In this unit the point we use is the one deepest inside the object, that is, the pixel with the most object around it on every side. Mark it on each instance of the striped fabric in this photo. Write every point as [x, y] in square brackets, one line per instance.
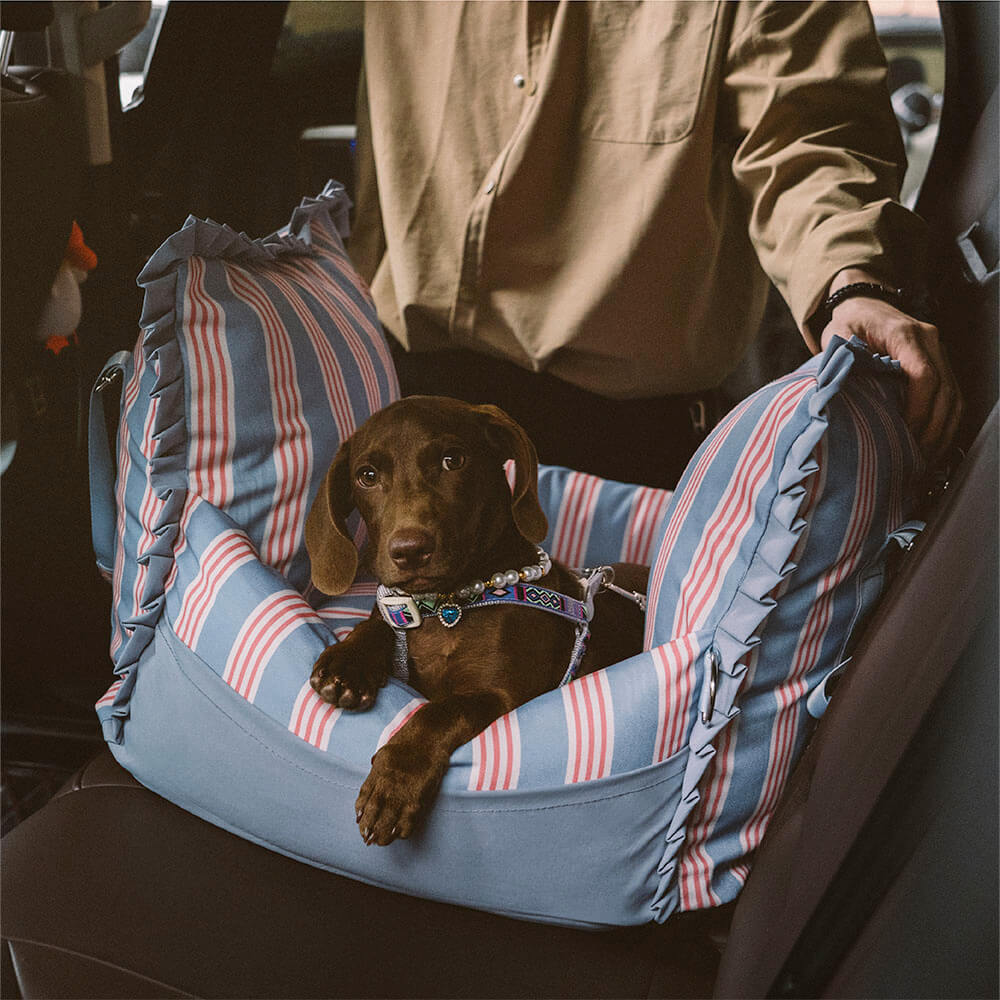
[771, 554]
[256, 359]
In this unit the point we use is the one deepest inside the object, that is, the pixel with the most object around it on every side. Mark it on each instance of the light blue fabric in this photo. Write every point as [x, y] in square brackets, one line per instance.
[618, 799]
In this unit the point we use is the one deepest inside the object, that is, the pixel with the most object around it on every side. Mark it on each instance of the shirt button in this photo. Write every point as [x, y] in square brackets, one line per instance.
[490, 187]
[519, 81]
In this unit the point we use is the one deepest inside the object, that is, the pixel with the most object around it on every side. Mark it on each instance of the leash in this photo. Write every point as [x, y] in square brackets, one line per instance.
[403, 611]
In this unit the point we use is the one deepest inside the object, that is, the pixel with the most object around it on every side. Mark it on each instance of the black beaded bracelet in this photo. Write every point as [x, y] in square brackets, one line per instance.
[857, 289]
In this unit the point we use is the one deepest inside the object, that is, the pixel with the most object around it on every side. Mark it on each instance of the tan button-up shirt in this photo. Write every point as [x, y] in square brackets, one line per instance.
[603, 189]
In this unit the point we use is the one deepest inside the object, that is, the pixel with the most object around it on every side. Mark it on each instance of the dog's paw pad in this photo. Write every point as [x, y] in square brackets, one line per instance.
[346, 693]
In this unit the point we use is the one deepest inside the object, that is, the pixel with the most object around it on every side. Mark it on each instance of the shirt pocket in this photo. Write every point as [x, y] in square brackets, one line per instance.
[645, 70]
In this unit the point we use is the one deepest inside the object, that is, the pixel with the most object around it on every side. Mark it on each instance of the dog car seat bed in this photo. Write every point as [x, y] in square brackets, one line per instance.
[618, 799]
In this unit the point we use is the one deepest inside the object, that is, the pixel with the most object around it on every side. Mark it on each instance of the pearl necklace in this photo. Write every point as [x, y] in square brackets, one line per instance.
[402, 610]
[526, 574]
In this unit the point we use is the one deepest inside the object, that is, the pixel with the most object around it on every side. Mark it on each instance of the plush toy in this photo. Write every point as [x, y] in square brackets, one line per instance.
[57, 327]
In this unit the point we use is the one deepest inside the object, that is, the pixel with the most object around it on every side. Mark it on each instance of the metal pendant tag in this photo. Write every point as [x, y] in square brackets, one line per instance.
[400, 610]
[449, 614]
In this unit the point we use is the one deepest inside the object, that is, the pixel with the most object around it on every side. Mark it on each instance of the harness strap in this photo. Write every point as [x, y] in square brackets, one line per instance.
[403, 612]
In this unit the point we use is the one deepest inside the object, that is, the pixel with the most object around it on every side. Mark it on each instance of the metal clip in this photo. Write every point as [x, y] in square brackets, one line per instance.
[712, 663]
[107, 378]
[607, 583]
[699, 418]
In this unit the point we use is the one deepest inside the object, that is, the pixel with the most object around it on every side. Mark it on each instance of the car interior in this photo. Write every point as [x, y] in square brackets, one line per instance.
[878, 874]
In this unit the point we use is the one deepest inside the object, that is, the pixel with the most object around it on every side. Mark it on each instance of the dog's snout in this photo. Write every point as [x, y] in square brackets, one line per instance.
[411, 548]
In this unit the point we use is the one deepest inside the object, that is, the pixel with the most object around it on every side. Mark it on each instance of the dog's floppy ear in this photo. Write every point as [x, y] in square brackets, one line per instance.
[331, 549]
[511, 439]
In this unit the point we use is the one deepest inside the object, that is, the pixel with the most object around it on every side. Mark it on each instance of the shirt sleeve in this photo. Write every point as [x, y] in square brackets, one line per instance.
[819, 158]
[366, 245]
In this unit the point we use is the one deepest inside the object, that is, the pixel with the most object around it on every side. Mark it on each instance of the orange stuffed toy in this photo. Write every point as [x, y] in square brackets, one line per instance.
[61, 314]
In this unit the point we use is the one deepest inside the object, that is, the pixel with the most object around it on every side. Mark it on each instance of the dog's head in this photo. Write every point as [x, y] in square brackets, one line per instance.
[427, 475]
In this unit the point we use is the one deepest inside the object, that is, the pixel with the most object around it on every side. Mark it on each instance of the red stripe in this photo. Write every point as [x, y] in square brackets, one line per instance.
[494, 732]
[257, 639]
[724, 532]
[333, 380]
[662, 656]
[220, 566]
[236, 669]
[334, 252]
[591, 487]
[777, 753]
[221, 558]
[592, 736]
[292, 435]
[272, 635]
[306, 717]
[343, 611]
[214, 439]
[314, 718]
[340, 305]
[509, 733]
[109, 696]
[696, 865]
[395, 726]
[476, 774]
[673, 663]
[578, 732]
[198, 416]
[644, 518]
[566, 518]
[807, 655]
[604, 763]
[682, 509]
[287, 434]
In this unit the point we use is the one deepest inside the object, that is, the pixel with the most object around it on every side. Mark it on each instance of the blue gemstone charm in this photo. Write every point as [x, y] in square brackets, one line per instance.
[449, 614]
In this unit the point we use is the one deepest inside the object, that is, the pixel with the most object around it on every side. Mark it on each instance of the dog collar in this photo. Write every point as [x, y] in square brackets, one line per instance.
[404, 611]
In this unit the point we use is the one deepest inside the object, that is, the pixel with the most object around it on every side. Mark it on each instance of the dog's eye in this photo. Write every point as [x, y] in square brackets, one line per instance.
[367, 476]
[452, 461]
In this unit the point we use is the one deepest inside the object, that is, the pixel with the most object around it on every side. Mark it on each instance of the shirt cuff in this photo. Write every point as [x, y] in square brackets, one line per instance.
[883, 238]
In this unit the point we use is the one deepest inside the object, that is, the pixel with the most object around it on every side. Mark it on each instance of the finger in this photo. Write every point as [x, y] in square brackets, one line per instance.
[933, 404]
[944, 406]
[923, 382]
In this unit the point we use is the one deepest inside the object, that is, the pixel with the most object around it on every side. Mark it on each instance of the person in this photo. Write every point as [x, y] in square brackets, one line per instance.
[575, 210]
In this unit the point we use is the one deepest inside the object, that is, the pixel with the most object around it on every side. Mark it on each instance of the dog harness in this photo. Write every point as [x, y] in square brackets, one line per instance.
[404, 611]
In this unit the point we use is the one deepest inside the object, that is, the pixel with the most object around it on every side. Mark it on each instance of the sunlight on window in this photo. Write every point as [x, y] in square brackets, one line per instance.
[910, 32]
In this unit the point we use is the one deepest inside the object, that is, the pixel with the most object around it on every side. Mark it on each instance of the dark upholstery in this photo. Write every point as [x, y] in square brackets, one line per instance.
[112, 891]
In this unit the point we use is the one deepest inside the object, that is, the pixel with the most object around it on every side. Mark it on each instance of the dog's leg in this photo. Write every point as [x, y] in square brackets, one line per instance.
[349, 674]
[407, 771]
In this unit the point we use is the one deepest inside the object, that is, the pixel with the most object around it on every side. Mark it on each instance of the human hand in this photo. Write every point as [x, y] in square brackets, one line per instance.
[933, 401]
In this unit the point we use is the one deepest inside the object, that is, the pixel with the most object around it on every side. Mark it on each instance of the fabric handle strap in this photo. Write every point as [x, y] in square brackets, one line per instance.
[102, 472]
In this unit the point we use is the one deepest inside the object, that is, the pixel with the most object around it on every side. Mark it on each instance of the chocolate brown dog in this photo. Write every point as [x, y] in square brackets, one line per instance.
[427, 475]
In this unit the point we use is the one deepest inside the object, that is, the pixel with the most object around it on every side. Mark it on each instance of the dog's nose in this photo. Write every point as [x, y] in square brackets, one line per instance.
[411, 548]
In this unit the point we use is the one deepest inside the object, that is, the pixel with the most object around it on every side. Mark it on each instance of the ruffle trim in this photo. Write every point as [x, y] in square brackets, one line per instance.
[168, 474]
[738, 630]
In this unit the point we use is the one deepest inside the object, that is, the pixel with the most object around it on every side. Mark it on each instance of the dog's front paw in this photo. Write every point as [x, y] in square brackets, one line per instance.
[397, 794]
[339, 678]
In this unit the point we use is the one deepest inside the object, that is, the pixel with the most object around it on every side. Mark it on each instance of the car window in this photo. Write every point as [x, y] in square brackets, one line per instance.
[910, 33]
[315, 73]
[133, 59]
